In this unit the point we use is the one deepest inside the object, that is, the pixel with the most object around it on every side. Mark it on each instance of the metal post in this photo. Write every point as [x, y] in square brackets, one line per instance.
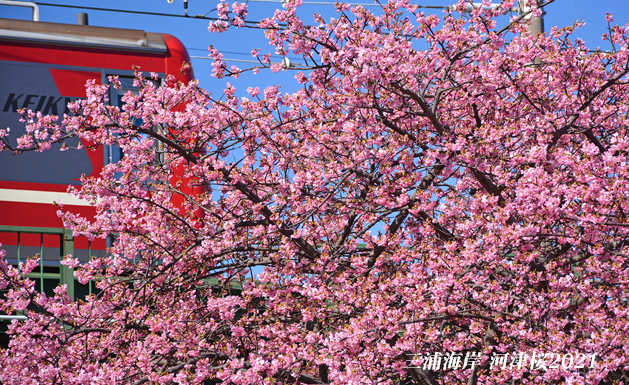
[67, 273]
[537, 23]
[12, 317]
[81, 18]
[19, 245]
[41, 262]
[89, 258]
[23, 4]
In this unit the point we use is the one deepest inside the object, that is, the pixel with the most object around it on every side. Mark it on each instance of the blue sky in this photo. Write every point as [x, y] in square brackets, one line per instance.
[237, 44]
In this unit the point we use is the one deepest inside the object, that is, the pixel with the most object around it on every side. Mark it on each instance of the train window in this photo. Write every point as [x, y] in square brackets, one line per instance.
[126, 84]
[113, 154]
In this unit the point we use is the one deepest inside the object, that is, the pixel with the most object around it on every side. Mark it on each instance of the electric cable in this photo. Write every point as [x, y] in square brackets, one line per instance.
[226, 59]
[199, 17]
[233, 53]
[205, 17]
[333, 3]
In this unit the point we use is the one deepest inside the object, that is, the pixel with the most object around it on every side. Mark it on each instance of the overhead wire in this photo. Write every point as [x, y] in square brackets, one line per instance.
[205, 17]
[199, 17]
[235, 53]
[312, 2]
[334, 3]
[228, 60]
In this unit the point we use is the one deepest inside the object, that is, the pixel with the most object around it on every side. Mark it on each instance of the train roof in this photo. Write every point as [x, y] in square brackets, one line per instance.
[81, 35]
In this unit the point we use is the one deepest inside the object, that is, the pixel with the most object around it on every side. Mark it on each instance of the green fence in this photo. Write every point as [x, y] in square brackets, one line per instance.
[49, 246]
[49, 274]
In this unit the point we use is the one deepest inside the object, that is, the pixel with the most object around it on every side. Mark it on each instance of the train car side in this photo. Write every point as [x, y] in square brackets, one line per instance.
[43, 66]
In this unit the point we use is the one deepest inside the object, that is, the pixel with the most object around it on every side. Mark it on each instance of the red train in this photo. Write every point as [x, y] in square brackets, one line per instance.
[43, 66]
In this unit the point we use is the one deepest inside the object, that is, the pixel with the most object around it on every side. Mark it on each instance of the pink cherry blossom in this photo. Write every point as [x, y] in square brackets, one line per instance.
[437, 187]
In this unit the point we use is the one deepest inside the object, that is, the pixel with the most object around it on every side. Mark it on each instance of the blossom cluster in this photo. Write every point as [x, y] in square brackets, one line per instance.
[438, 184]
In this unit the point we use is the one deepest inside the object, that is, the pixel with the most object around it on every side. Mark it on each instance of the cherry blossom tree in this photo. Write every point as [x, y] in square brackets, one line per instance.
[443, 202]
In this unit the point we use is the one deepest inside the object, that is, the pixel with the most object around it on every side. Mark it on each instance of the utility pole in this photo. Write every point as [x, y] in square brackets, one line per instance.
[537, 24]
